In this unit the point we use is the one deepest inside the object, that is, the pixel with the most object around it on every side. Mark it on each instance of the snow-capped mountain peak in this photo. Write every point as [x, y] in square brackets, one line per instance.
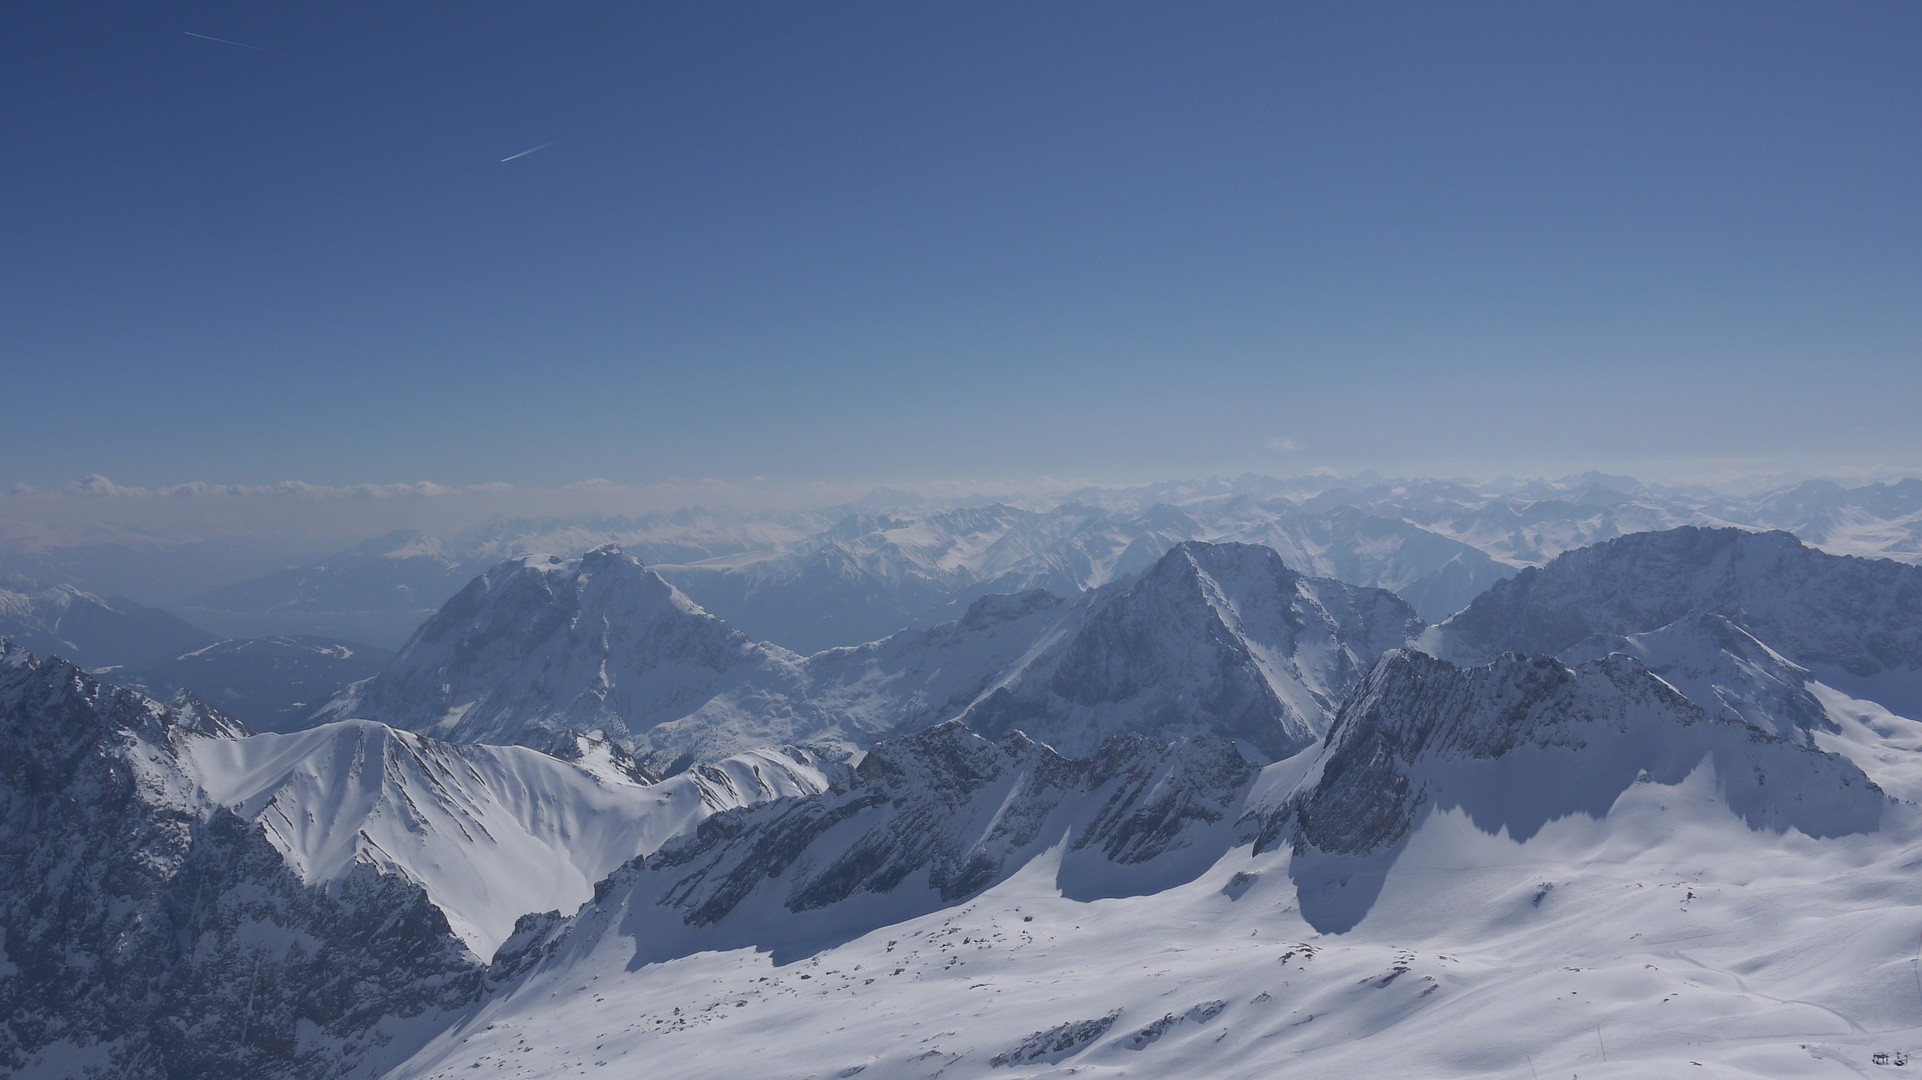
[539, 645]
[1216, 638]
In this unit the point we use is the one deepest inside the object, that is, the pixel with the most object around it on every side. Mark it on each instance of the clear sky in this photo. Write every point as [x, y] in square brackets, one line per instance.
[907, 242]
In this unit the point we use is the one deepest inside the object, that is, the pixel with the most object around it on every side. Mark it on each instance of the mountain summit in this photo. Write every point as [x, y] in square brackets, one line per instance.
[1220, 639]
[540, 645]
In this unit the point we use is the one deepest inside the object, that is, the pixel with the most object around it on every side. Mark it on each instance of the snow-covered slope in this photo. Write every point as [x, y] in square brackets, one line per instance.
[335, 876]
[1881, 520]
[1724, 669]
[489, 832]
[1555, 852]
[539, 646]
[928, 819]
[93, 631]
[1855, 623]
[850, 697]
[1221, 639]
[150, 932]
[1521, 742]
[1215, 638]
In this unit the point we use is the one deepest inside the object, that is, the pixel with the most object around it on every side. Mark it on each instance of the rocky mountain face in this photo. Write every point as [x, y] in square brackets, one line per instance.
[1520, 742]
[183, 897]
[851, 697]
[1575, 739]
[1156, 795]
[1724, 669]
[487, 832]
[1855, 623]
[540, 646]
[1221, 639]
[928, 819]
[93, 631]
[152, 933]
[946, 849]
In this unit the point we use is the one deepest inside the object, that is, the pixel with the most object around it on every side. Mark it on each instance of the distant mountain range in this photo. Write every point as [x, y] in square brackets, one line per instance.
[1223, 639]
[271, 684]
[1855, 623]
[818, 580]
[94, 631]
[1208, 817]
[377, 591]
[1210, 638]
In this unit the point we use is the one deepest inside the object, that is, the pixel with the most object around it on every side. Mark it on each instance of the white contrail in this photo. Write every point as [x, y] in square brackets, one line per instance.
[531, 149]
[224, 41]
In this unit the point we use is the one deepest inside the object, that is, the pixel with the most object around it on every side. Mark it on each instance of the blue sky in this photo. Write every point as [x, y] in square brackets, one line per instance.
[900, 243]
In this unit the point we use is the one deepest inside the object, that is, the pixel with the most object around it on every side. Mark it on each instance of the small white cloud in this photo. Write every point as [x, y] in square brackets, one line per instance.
[1282, 444]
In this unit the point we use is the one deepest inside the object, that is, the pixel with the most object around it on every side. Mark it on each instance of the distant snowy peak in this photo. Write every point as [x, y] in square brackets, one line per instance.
[539, 646]
[1210, 639]
[1220, 639]
[1855, 623]
[1883, 519]
[409, 544]
[871, 574]
[852, 696]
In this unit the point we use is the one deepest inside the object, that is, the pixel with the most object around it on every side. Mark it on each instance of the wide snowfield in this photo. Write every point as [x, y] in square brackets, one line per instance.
[1667, 939]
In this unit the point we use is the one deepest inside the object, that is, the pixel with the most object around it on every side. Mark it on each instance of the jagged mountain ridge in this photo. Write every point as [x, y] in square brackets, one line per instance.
[1724, 669]
[954, 869]
[139, 915]
[488, 832]
[1221, 639]
[185, 897]
[928, 819]
[1216, 638]
[1855, 623]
